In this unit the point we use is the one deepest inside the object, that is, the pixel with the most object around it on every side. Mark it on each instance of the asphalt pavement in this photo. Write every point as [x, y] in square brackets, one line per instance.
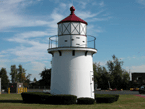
[127, 92]
[124, 92]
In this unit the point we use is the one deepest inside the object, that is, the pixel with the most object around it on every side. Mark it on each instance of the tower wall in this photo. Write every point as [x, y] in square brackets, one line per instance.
[72, 74]
[72, 40]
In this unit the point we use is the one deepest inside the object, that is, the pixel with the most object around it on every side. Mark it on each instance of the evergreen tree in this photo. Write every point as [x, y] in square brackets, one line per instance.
[21, 74]
[35, 79]
[14, 74]
[46, 77]
[116, 73]
[101, 76]
[4, 78]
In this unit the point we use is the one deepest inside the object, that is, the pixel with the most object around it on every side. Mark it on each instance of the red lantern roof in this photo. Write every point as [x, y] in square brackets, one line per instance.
[72, 17]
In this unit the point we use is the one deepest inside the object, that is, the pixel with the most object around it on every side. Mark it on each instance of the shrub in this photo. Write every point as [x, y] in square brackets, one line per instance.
[38, 97]
[104, 98]
[32, 97]
[63, 99]
[85, 100]
[116, 96]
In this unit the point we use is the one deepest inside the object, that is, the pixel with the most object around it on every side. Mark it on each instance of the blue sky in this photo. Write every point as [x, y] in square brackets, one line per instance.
[26, 25]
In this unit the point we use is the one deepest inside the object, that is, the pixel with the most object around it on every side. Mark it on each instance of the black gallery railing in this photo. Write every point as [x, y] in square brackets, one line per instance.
[53, 42]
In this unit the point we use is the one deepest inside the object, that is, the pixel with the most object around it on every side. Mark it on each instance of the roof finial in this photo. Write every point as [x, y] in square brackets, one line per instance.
[72, 9]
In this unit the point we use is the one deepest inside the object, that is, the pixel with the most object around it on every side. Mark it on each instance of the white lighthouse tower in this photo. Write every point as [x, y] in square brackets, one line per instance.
[72, 60]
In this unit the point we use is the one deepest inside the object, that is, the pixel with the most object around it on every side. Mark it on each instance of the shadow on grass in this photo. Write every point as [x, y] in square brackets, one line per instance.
[11, 101]
[21, 101]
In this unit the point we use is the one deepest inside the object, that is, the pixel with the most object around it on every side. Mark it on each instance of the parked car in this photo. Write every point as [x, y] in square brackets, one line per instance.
[142, 89]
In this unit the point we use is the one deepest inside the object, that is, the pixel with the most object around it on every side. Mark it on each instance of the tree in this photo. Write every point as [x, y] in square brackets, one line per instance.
[4, 78]
[27, 81]
[35, 79]
[116, 72]
[21, 74]
[97, 73]
[105, 77]
[46, 77]
[14, 76]
[101, 76]
[126, 79]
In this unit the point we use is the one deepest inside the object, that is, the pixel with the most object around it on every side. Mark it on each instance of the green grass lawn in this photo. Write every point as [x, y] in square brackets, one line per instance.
[14, 101]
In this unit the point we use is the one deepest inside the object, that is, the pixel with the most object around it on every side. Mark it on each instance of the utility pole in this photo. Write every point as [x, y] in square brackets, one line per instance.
[109, 84]
[130, 75]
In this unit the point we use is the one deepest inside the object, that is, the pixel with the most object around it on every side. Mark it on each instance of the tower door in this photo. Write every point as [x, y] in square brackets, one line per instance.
[92, 83]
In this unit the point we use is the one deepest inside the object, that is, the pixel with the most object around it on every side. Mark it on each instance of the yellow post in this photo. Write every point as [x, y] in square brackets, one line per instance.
[9, 90]
[18, 90]
[137, 88]
[26, 89]
[21, 90]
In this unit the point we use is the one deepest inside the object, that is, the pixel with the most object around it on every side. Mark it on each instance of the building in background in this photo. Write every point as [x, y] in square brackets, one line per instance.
[138, 78]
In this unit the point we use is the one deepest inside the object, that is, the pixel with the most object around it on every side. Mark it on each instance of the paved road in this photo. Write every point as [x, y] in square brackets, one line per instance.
[127, 92]
[98, 92]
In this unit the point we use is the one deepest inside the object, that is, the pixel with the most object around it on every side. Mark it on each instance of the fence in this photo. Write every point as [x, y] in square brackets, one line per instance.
[38, 87]
[20, 90]
[53, 42]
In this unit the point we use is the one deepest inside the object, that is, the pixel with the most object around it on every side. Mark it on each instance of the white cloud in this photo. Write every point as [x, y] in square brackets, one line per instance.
[140, 68]
[142, 2]
[35, 51]
[16, 18]
[37, 66]
[82, 4]
[103, 63]
[63, 5]
[96, 29]
[10, 14]
[87, 14]
[33, 34]
[101, 3]
[3, 62]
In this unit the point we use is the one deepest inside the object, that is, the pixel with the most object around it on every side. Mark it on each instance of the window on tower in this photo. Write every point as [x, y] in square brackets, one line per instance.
[77, 44]
[78, 37]
[83, 41]
[65, 40]
[72, 39]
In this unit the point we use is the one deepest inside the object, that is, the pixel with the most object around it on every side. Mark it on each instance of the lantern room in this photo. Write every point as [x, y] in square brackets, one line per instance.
[72, 31]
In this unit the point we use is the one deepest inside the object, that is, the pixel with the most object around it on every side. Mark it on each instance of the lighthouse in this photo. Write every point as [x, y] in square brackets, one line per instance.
[72, 60]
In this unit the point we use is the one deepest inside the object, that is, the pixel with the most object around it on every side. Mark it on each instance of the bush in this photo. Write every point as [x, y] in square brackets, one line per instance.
[38, 97]
[85, 100]
[116, 97]
[63, 99]
[105, 98]
[33, 97]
